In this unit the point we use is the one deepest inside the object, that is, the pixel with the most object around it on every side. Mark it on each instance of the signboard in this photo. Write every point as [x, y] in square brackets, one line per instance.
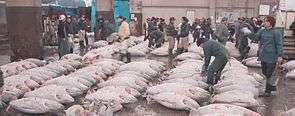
[290, 5]
[264, 9]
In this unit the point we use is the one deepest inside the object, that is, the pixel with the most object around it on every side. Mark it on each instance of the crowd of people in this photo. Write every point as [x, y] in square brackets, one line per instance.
[63, 29]
[213, 42]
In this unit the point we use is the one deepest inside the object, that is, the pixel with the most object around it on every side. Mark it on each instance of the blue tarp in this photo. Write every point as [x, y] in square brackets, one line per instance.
[121, 7]
[93, 15]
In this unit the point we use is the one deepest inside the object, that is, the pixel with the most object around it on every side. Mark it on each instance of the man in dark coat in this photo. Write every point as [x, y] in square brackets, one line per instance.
[243, 40]
[162, 24]
[70, 27]
[171, 33]
[196, 29]
[156, 37]
[63, 43]
[222, 31]
[152, 26]
[183, 42]
[213, 48]
[270, 52]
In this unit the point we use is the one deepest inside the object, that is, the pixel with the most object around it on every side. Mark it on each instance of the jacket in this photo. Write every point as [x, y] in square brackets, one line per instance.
[157, 35]
[124, 30]
[213, 48]
[70, 27]
[184, 29]
[170, 30]
[271, 44]
[61, 31]
[161, 26]
[222, 32]
[152, 26]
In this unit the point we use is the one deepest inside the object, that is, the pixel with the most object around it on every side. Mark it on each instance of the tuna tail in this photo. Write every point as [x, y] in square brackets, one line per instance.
[8, 109]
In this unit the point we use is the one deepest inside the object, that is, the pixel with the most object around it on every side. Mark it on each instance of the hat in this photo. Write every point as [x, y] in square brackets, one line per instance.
[62, 17]
[121, 17]
[172, 18]
[185, 19]
[254, 19]
[201, 40]
[224, 19]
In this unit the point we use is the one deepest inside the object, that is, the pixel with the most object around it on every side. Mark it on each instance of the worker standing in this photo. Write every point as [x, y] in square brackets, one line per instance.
[245, 29]
[183, 42]
[157, 37]
[152, 26]
[196, 29]
[171, 35]
[222, 31]
[217, 50]
[270, 52]
[124, 33]
[63, 43]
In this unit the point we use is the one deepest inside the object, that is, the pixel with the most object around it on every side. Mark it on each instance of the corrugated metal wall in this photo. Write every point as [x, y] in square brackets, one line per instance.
[3, 21]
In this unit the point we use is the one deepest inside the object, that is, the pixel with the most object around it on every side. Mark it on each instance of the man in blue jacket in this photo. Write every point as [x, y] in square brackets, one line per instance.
[222, 31]
[270, 52]
[213, 48]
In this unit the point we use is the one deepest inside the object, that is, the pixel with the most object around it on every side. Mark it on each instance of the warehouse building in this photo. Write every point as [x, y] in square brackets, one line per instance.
[214, 9]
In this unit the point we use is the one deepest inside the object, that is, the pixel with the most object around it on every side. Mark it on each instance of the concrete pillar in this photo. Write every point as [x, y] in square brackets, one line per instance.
[212, 12]
[104, 8]
[24, 28]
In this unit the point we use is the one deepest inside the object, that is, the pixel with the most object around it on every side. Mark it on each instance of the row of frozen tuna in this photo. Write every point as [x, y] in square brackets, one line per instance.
[163, 51]
[129, 82]
[55, 93]
[237, 86]
[183, 88]
[20, 66]
[15, 86]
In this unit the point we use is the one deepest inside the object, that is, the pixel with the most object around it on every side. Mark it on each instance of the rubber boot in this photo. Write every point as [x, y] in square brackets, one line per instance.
[128, 57]
[267, 92]
[273, 88]
[122, 57]
[178, 51]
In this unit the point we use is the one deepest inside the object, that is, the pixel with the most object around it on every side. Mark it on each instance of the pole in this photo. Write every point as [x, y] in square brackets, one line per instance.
[93, 15]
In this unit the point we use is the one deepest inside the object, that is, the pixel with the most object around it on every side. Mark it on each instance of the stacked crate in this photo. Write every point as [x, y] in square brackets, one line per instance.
[289, 47]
